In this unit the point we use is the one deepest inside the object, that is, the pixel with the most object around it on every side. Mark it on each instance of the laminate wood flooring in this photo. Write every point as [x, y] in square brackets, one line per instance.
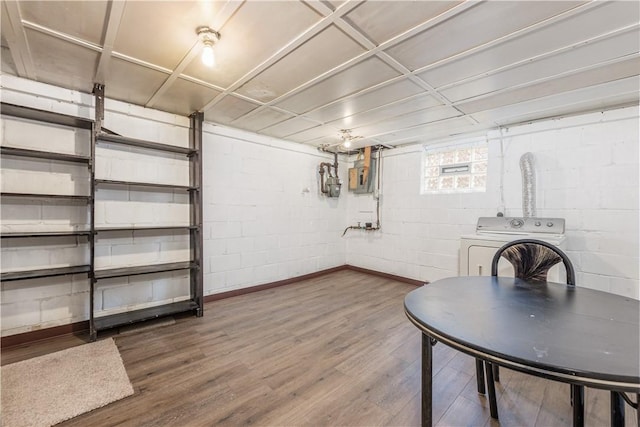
[336, 350]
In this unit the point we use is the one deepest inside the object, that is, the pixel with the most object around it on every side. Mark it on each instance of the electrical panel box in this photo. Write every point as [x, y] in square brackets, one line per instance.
[360, 180]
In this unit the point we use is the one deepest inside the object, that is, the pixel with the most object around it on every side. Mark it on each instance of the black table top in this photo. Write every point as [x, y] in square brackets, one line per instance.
[551, 329]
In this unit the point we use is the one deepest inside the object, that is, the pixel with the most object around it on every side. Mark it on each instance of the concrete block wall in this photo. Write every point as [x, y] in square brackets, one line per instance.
[118, 206]
[45, 302]
[587, 172]
[265, 218]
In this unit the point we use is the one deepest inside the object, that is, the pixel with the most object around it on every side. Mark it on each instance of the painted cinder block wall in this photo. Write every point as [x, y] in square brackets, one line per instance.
[587, 172]
[264, 218]
[262, 225]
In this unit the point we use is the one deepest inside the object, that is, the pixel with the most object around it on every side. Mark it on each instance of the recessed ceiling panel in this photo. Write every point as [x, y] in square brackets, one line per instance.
[331, 135]
[619, 92]
[407, 121]
[394, 110]
[261, 119]
[184, 97]
[369, 72]
[477, 25]
[288, 127]
[328, 49]
[419, 134]
[254, 33]
[383, 95]
[596, 21]
[132, 83]
[61, 63]
[229, 109]
[162, 32]
[582, 56]
[382, 20]
[569, 56]
[567, 83]
[81, 19]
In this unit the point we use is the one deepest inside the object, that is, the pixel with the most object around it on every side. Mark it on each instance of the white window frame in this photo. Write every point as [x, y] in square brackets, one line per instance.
[447, 165]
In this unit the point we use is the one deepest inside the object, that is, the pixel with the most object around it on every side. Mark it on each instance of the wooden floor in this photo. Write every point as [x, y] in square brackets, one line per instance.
[331, 351]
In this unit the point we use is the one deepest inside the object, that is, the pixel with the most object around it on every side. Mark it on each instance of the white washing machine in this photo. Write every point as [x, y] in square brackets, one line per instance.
[477, 250]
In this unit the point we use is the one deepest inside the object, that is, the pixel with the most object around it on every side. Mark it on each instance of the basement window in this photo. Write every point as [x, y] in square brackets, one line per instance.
[455, 168]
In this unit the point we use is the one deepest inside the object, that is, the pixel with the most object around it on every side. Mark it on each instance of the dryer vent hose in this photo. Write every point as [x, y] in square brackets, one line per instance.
[527, 167]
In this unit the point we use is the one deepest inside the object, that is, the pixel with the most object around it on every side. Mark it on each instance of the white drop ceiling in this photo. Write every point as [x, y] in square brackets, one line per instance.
[394, 72]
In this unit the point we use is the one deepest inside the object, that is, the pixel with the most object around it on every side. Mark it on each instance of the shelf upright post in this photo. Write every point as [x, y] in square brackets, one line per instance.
[195, 203]
[98, 93]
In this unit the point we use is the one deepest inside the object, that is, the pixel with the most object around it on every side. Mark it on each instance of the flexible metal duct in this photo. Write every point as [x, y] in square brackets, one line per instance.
[527, 167]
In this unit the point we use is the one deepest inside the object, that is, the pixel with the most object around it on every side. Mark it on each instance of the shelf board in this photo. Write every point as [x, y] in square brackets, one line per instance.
[145, 269]
[44, 233]
[44, 272]
[46, 196]
[159, 228]
[144, 184]
[117, 139]
[122, 319]
[38, 154]
[44, 116]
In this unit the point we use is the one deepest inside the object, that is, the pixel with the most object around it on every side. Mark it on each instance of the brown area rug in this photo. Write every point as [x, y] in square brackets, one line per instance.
[49, 389]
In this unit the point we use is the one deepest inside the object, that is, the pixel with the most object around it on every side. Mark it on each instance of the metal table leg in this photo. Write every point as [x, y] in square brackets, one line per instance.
[480, 376]
[617, 410]
[427, 381]
[577, 396]
[491, 391]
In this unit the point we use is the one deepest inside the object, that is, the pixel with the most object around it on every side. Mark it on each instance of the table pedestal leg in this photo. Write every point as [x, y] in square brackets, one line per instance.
[617, 410]
[577, 397]
[427, 385]
[491, 391]
[480, 376]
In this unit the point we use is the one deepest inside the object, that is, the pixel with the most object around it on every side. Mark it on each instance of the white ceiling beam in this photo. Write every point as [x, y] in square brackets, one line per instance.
[62, 36]
[116, 9]
[186, 60]
[13, 31]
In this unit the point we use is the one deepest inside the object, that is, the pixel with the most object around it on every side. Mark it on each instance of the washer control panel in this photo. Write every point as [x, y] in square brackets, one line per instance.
[515, 225]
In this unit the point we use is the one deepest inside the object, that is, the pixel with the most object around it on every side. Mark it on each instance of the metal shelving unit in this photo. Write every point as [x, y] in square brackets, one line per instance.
[37, 154]
[123, 319]
[14, 234]
[195, 302]
[144, 269]
[46, 196]
[55, 119]
[132, 142]
[145, 184]
[44, 272]
[193, 227]
[152, 228]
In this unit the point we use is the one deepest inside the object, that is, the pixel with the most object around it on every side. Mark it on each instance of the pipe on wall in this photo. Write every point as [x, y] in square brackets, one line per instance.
[527, 167]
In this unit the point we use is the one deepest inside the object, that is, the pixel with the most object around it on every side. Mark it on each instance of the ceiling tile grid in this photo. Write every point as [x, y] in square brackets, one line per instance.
[394, 72]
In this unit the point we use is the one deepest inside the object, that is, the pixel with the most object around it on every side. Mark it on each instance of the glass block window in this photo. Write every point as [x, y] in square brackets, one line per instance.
[460, 168]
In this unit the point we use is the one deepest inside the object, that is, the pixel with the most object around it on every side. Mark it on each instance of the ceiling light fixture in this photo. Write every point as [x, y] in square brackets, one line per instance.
[208, 37]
